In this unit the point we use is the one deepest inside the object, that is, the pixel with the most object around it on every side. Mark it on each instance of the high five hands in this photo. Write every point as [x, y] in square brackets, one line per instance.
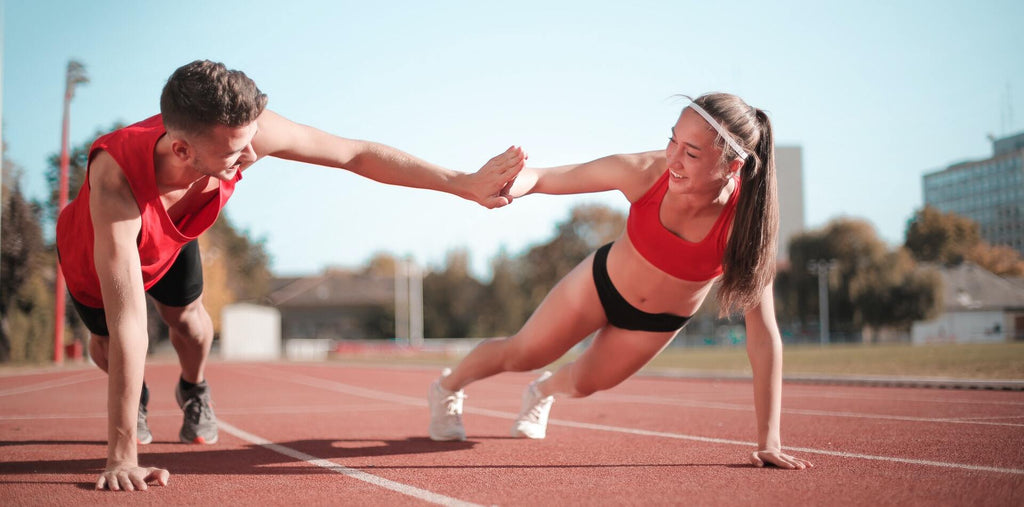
[489, 186]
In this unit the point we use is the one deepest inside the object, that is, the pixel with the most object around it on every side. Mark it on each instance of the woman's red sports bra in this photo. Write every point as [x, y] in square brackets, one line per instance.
[668, 252]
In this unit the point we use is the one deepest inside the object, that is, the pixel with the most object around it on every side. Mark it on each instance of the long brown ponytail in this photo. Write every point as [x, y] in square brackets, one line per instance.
[749, 260]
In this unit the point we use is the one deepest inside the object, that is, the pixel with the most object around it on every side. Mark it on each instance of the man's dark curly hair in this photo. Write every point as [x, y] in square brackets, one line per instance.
[203, 94]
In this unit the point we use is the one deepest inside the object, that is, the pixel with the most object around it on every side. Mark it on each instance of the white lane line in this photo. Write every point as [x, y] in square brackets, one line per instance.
[41, 417]
[792, 392]
[16, 371]
[824, 413]
[378, 395]
[992, 417]
[809, 450]
[49, 384]
[405, 489]
[317, 409]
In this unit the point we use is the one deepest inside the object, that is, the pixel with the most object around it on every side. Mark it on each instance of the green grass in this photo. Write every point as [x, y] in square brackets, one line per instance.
[1001, 361]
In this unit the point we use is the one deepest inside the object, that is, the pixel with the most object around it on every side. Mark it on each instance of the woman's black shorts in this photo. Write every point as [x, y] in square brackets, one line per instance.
[620, 313]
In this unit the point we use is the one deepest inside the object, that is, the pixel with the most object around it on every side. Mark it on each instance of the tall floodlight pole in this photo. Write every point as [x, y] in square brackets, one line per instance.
[401, 300]
[75, 75]
[822, 268]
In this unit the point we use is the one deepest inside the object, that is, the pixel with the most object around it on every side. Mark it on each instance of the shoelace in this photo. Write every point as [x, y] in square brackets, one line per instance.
[453, 404]
[535, 411]
[193, 409]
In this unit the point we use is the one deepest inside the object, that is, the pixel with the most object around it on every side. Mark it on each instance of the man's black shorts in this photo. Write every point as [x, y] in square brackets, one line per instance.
[181, 285]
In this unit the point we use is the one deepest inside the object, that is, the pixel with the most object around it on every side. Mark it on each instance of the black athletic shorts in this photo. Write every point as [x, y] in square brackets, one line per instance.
[180, 285]
[620, 313]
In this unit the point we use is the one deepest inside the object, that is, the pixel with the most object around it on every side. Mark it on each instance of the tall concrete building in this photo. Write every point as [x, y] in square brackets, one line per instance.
[789, 170]
[989, 191]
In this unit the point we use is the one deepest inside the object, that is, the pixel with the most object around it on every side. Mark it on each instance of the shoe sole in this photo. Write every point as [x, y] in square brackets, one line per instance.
[519, 434]
[145, 441]
[198, 440]
[460, 438]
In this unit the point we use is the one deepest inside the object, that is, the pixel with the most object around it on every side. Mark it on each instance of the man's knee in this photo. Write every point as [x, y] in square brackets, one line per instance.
[190, 321]
[98, 346]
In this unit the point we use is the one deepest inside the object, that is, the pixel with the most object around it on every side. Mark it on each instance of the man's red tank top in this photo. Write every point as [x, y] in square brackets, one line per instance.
[159, 240]
[668, 252]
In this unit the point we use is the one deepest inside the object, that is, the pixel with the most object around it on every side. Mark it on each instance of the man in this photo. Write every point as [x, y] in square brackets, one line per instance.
[151, 189]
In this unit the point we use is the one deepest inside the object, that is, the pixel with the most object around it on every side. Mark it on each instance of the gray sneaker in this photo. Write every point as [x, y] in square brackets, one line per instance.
[142, 433]
[200, 425]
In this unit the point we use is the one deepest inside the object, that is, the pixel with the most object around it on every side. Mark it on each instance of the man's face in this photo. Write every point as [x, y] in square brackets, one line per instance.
[222, 151]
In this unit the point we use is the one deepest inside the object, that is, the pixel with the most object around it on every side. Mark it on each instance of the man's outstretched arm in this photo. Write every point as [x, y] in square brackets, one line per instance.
[282, 138]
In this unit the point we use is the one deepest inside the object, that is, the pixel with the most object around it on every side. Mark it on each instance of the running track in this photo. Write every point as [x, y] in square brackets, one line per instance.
[330, 434]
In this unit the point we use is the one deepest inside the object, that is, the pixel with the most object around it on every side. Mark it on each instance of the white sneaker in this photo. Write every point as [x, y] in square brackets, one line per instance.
[445, 411]
[533, 418]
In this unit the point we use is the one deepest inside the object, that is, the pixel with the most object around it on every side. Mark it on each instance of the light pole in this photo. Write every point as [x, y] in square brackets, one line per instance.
[408, 302]
[822, 268]
[415, 304]
[75, 75]
[401, 300]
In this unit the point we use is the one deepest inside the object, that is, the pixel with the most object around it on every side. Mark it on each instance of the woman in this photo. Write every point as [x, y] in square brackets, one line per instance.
[703, 210]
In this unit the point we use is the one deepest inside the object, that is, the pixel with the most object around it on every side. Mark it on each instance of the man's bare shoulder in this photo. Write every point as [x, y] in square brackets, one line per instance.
[105, 175]
[108, 186]
[275, 133]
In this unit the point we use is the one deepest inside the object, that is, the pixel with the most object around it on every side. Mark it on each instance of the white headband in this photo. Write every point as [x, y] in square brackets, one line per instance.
[721, 131]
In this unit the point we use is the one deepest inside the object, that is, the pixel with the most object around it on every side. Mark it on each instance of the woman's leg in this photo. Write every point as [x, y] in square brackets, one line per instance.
[615, 355]
[569, 313]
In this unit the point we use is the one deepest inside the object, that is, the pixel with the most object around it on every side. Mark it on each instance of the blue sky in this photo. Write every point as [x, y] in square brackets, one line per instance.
[876, 93]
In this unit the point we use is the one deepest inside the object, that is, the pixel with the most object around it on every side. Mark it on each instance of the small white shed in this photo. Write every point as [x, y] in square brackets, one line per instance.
[250, 333]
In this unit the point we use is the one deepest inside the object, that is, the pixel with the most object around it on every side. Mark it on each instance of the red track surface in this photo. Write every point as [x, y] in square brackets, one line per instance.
[649, 441]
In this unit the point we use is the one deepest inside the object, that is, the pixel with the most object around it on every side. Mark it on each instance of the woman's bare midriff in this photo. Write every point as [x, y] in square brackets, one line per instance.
[648, 288]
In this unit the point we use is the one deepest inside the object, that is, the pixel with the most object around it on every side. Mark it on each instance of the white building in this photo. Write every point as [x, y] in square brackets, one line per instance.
[978, 307]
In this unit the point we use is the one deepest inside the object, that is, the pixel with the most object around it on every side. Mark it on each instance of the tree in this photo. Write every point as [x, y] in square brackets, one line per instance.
[216, 293]
[946, 238]
[1001, 260]
[78, 161]
[895, 292]
[854, 245]
[26, 303]
[502, 308]
[248, 272]
[458, 305]
[450, 298]
[381, 264]
[870, 286]
[588, 227]
[949, 239]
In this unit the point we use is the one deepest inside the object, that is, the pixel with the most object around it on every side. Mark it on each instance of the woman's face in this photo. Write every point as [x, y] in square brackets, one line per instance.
[694, 162]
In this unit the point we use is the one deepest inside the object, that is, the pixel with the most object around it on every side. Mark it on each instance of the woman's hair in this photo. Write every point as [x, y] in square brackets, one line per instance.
[749, 261]
[203, 94]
